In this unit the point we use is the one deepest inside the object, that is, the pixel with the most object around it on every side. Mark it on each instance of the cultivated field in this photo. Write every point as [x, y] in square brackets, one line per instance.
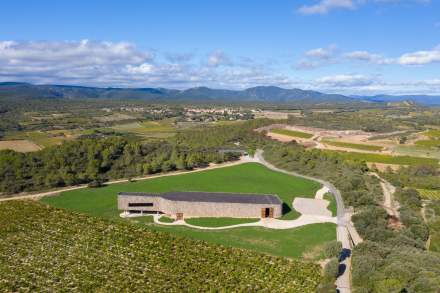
[163, 128]
[292, 133]
[46, 249]
[350, 145]
[387, 159]
[246, 178]
[19, 145]
[429, 194]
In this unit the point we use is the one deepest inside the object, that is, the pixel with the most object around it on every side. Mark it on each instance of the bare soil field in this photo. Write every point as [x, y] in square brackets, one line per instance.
[19, 145]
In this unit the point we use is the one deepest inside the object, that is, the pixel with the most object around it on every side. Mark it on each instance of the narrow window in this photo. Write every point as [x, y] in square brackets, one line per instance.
[140, 204]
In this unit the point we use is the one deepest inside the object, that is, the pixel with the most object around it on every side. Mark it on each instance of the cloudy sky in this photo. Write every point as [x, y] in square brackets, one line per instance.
[338, 46]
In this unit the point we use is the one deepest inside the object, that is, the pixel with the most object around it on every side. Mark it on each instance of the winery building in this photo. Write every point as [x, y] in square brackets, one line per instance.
[202, 204]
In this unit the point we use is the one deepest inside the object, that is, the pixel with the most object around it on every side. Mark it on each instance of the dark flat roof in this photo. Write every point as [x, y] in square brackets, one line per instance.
[221, 197]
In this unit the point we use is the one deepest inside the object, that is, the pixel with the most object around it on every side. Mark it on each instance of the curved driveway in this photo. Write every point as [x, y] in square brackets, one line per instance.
[345, 232]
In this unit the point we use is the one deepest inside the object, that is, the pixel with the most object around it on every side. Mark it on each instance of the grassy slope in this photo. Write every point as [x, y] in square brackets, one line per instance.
[250, 177]
[45, 249]
[293, 133]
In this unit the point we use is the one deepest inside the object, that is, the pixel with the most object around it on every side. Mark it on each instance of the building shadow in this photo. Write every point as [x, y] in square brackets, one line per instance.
[285, 208]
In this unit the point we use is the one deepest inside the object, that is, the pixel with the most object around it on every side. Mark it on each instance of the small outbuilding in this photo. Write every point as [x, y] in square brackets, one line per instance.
[202, 204]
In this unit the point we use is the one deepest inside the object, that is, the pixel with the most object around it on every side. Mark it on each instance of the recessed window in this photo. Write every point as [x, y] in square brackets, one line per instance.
[140, 204]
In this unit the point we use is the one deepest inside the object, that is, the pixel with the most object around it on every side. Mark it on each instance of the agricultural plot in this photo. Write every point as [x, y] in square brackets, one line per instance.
[293, 133]
[429, 194]
[245, 178]
[160, 129]
[364, 147]
[386, 159]
[47, 249]
[19, 146]
[430, 143]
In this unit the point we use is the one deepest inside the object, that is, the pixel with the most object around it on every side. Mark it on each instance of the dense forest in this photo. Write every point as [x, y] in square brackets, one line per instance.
[97, 160]
[390, 259]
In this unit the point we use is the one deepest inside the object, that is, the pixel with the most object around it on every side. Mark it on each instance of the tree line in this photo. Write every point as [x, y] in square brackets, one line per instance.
[97, 160]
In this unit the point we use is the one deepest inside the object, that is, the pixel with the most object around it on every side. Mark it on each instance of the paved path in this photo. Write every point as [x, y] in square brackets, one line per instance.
[265, 223]
[346, 233]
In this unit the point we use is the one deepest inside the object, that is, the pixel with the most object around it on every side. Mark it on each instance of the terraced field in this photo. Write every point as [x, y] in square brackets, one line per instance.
[47, 249]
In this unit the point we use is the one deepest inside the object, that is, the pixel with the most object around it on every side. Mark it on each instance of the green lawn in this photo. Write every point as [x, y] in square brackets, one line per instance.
[218, 222]
[364, 147]
[250, 178]
[245, 178]
[165, 219]
[293, 133]
[291, 243]
[332, 206]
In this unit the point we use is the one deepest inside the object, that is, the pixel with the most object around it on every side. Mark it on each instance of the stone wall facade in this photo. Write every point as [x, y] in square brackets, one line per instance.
[197, 209]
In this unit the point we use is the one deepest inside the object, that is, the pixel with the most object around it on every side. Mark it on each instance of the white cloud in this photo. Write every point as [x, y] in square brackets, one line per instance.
[141, 69]
[322, 53]
[420, 57]
[369, 57]
[325, 6]
[218, 58]
[346, 80]
[317, 57]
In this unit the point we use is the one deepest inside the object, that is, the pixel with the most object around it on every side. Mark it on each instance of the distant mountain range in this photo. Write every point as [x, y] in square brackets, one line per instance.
[263, 94]
[418, 99]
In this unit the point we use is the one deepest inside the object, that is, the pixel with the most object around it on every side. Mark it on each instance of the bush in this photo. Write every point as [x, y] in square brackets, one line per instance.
[96, 184]
[332, 249]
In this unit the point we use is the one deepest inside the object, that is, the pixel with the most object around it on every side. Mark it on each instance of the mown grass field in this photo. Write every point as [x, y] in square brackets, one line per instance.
[218, 222]
[364, 147]
[246, 178]
[293, 133]
[386, 159]
[43, 249]
[429, 194]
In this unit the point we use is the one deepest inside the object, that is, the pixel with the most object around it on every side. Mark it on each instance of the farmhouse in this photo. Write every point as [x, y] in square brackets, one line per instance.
[202, 204]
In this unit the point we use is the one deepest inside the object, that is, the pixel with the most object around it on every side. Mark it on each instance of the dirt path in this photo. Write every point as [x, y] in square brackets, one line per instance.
[36, 196]
[389, 203]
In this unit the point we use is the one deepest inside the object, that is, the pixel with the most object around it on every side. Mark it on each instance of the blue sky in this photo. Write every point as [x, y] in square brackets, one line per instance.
[343, 46]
